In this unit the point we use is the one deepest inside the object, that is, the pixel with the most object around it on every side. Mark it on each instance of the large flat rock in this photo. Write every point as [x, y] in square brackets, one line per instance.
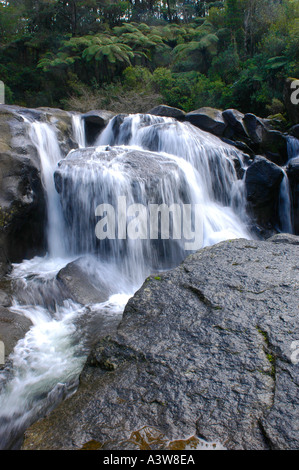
[205, 350]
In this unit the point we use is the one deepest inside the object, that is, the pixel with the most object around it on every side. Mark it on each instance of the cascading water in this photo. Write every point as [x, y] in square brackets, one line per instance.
[45, 140]
[285, 206]
[78, 130]
[45, 365]
[151, 160]
[211, 171]
[285, 211]
[293, 147]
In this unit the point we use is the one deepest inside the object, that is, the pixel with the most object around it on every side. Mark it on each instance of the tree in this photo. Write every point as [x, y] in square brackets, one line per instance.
[107, 52]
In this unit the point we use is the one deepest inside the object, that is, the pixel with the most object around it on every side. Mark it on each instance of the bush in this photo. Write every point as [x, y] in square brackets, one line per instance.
[115, 97]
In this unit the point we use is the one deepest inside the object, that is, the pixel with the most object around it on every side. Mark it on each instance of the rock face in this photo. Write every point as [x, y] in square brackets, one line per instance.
[272, 143]
[206, 349]
[95, 121]
[263, 179]
[22, 204]
[294, 131]
[234, 121]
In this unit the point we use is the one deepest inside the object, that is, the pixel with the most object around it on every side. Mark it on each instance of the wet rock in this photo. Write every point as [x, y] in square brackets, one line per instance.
[294, 131]
[208, 119]
[265, 140]
[95, 121]
[204, 350]
[255, 128]
[234, 121]
[284, 238]
[263, 179]
[77, 282]
[22, 204]
[275, 147]
[13, 327]
[293, 175]
[168, 111]
[239, 145]
[6, 292]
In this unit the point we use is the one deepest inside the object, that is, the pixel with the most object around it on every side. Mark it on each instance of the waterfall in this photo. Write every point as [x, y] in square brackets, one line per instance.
[293, 147]
[217, 187]
[285, 206]
[138, 159]
[78, 130]
[45, 140]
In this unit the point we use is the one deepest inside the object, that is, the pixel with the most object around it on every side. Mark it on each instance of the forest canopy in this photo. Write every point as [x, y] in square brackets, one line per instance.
[132, 55]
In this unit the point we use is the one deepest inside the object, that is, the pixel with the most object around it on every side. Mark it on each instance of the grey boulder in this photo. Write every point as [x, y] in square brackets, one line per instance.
[205, 350]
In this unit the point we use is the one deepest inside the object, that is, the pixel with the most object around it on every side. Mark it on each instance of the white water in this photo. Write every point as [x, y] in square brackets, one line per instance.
[285, 198]
[206, 162]
[293, 147]
[44, 138]
[285, 206]
[47, 362]
[78, 130]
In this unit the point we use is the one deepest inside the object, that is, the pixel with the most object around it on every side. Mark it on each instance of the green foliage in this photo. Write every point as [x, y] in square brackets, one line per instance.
[137, 78]
[226, 53]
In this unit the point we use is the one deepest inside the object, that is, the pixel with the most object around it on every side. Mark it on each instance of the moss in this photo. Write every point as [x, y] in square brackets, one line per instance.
[270, 357]
[264, 334]
[92, 445]
[157, 278]
[6, 216]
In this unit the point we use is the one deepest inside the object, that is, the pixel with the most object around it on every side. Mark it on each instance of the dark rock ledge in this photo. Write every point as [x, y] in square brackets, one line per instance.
[203, 350]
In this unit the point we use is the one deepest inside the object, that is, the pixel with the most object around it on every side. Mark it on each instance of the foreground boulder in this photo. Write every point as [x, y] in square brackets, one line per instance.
[205, 350]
